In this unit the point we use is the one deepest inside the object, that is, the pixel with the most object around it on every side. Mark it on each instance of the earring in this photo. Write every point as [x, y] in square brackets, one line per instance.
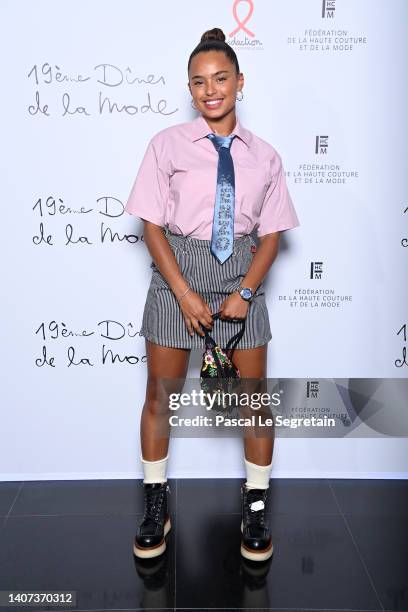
[242, 96]
[192, 104]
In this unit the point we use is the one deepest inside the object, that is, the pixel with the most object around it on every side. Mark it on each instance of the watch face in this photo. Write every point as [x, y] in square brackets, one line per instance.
[246, 293]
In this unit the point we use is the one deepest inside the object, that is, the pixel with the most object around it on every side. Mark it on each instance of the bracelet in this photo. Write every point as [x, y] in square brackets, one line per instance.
[181, 296]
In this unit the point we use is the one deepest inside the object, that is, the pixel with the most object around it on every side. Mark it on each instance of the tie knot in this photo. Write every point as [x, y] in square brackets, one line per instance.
[221, 141]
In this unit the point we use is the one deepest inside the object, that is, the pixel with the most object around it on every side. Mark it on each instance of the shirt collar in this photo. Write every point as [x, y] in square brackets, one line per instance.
[199, 128]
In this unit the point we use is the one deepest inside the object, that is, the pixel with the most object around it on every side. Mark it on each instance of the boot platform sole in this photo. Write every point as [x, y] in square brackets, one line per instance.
[152, 551]
[253, 555]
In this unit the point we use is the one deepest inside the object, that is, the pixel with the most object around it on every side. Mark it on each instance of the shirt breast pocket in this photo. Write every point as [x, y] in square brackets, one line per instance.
[191, 184]
[251, 185]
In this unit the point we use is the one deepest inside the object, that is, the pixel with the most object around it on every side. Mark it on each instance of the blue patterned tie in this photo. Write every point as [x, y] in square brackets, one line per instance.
[222, 238]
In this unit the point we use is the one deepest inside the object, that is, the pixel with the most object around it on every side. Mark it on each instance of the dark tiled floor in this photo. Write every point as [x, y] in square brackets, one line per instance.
[339, 545]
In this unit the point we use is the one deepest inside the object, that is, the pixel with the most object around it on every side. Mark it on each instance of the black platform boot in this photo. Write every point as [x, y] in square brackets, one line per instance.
[149, 539]
[256, 543]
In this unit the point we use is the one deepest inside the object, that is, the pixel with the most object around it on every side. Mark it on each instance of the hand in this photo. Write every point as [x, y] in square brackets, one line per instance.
[195, 311]
[234, 307]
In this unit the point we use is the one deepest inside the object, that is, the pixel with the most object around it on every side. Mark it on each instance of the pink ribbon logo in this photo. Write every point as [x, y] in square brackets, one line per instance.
[241, 24]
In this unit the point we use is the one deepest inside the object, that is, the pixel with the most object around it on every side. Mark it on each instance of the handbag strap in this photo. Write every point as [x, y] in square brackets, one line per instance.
[232, 342]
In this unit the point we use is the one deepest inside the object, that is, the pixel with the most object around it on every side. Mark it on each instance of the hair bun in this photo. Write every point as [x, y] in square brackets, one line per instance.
[214, 34]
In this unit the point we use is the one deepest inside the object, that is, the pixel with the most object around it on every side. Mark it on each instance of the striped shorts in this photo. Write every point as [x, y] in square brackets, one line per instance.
[163, 322]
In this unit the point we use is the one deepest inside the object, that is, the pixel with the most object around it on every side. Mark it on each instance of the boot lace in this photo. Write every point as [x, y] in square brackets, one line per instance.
[154, 499]
[253, 516]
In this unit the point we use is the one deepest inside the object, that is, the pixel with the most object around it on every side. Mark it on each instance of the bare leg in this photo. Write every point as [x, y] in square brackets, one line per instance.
[163, 362]
[256, 541]
[166, 372]
[252, 364]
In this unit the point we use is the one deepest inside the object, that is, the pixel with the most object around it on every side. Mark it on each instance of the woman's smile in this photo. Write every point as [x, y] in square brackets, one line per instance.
[216, 103]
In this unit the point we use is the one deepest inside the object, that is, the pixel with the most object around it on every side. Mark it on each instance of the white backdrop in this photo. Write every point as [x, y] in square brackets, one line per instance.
[84, 87]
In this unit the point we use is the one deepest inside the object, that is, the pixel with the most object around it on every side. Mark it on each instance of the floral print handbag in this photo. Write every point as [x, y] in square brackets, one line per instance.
[218, 373]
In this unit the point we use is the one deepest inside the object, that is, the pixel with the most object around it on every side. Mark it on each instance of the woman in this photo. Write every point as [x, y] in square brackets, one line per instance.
[209, 182]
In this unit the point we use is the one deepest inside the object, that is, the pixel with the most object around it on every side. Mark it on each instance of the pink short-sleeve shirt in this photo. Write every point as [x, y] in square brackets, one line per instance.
[175, 185]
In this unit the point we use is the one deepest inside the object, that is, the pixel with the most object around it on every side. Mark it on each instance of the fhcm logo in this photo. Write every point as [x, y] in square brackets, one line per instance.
[321, 144]
[328, 9]
[316, 269]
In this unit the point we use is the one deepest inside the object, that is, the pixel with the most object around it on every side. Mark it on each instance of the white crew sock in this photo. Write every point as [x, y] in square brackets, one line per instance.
[257, 475]
[154, 471]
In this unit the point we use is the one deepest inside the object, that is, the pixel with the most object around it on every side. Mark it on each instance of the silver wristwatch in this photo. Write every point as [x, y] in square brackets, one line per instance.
[246, 293]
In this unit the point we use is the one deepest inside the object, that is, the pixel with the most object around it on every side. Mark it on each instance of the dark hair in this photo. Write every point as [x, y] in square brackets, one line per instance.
[214, 40]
